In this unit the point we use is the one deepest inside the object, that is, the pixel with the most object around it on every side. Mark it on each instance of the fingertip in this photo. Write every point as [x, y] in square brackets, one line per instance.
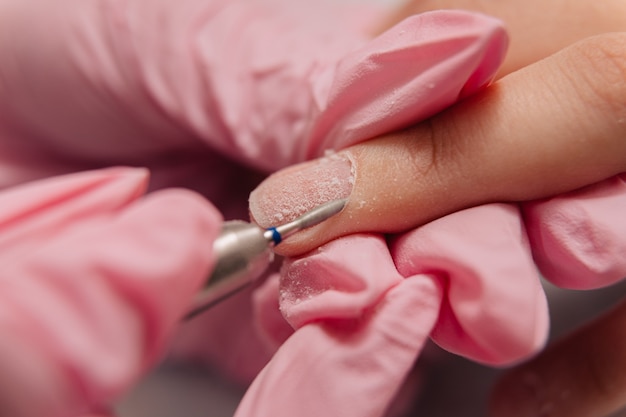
[175, 222]
[407, 74]
[486, 318]
[299, 189]
[339, 280]
[292, 192]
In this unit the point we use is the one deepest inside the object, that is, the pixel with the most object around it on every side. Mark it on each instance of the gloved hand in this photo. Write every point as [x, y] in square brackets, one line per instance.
[363, 309]
[191, 92]
[94, 280]
[264, 83]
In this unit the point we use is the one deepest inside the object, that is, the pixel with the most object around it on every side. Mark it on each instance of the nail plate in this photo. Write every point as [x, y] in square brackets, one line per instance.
[291, 192]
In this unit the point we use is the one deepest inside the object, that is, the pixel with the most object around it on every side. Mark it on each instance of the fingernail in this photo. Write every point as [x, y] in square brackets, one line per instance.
[291, 192]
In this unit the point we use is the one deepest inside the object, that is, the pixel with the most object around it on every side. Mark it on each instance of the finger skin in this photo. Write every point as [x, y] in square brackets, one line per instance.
[552, 127]
[581, 375]
[537, 28]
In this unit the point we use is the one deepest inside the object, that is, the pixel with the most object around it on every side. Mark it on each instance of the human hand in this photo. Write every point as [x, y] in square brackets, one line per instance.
[516, 145]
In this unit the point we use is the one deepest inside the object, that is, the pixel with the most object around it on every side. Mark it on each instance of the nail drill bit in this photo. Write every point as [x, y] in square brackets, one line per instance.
[244, 251]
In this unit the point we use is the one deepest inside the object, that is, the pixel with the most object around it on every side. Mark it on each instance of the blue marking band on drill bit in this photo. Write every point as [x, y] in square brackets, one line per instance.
[276, 237]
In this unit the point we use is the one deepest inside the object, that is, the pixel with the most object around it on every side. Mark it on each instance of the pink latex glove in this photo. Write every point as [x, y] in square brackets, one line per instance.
[363, 309]
[94, 278]
[579, 238]
[167, 84]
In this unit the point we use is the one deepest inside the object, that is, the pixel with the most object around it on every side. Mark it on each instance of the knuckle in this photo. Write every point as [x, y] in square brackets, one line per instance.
[443, 147]
[596, 69]
[420, 155]
[600, 63]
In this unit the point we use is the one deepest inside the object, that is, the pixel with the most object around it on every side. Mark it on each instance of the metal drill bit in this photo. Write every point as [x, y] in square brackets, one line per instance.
[244, 251]
[311, 218]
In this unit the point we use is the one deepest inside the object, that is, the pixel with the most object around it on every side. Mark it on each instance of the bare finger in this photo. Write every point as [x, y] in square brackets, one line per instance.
[583, 375]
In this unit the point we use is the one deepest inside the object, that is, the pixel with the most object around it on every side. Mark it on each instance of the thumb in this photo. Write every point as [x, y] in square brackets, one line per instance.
[93, 281]
[552, 127]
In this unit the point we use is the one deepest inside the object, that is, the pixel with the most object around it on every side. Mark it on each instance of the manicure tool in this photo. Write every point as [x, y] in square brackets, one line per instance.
[244, 251]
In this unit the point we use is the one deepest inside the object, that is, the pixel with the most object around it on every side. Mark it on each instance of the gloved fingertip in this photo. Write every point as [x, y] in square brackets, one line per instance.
[121, 184]
[578, 238]
[32, 212]
[119, 284]
[118, 186]
[338, 280]
[493, 51]
[496, 311]
[348, 366]
[447, 54]
[170, 235]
